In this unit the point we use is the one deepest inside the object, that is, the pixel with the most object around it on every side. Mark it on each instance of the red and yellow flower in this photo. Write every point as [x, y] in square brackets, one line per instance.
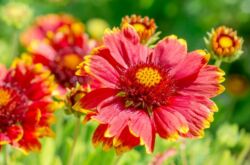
[145, 27]
[144, 92]
[224, 43]
[60, 43]
[45, 27]
[26, 110]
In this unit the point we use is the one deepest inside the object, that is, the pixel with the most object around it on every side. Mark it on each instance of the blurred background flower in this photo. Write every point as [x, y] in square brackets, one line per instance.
[16, 14]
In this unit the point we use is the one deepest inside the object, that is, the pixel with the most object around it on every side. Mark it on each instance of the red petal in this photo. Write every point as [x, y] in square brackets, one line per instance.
[206, 84]
[91, 100]
[102, 70]
[140, 124]
[98, 137]
[108, 109]
[169, 52]
[125, 141]
[3, 72]
[32, 116]
[187, 70]
[198, 112]
[42, 49]
[167, 124]
[125, 47]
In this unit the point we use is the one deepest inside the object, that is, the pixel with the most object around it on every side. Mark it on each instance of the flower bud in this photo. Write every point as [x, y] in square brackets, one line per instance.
[224, 44]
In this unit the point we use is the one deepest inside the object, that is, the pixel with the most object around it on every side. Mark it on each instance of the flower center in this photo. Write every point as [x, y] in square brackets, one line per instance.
[146, 86]
[225, 42]
[148, 76]
[5, 97]
[71, 61]
[13, 105]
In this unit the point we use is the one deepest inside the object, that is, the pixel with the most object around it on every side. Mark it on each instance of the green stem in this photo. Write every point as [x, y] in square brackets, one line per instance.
[243, 154]
[183, 153]
[117, 160]
[76, 134]
[14, 44]
[6, 155]
[218, 62]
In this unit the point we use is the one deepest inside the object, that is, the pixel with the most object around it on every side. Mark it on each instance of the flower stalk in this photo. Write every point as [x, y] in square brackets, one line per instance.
[75, 138]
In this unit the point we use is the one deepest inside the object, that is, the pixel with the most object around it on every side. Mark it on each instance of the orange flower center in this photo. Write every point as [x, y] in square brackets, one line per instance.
[148, 76]
[71, 61]
[4, 97]
[225, 42]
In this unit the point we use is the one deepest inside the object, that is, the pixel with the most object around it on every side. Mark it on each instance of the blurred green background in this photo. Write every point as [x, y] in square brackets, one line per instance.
[228, 139]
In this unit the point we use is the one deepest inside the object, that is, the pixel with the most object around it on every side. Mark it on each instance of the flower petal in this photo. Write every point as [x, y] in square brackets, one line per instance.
[187, 70]
[198, 112]
[13, 134]
[141, 125]
[206, 84]
[169, 123]
[169, 52]
[101, 70]
[125, 46]
[125, 141]
[43, 50]
[98, 137]
[91, 100]
[107, 110]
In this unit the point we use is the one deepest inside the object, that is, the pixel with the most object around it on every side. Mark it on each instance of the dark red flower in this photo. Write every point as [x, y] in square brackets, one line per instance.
[26, 110]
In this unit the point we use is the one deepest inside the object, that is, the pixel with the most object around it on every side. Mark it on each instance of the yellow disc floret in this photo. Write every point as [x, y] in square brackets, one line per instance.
[148, 76]
[139, 27]
[71, 61]
[226, 42]
[5, 97]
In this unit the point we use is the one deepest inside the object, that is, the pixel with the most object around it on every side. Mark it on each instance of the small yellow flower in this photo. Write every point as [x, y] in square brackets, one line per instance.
[224, 44]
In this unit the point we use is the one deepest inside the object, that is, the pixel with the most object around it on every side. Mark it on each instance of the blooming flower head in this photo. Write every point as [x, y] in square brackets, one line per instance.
[45, 26]
[61, 46]
[144, 92]
[145, 27]
[224, 44]
[26, 110]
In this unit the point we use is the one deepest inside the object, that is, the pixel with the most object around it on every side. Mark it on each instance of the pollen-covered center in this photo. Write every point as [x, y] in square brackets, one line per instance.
[148, 76]
[225, 42]
[146, 86]
[71, 61]
[4, 97]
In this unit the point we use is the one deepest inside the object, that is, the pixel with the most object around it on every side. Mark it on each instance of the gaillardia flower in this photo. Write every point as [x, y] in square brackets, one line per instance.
[144, 91]
[224, 44]
[62, 48]
[45, 26]
[26, 110]
[145, 27]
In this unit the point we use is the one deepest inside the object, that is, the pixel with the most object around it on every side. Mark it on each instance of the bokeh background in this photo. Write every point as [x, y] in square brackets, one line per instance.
[228, 139]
